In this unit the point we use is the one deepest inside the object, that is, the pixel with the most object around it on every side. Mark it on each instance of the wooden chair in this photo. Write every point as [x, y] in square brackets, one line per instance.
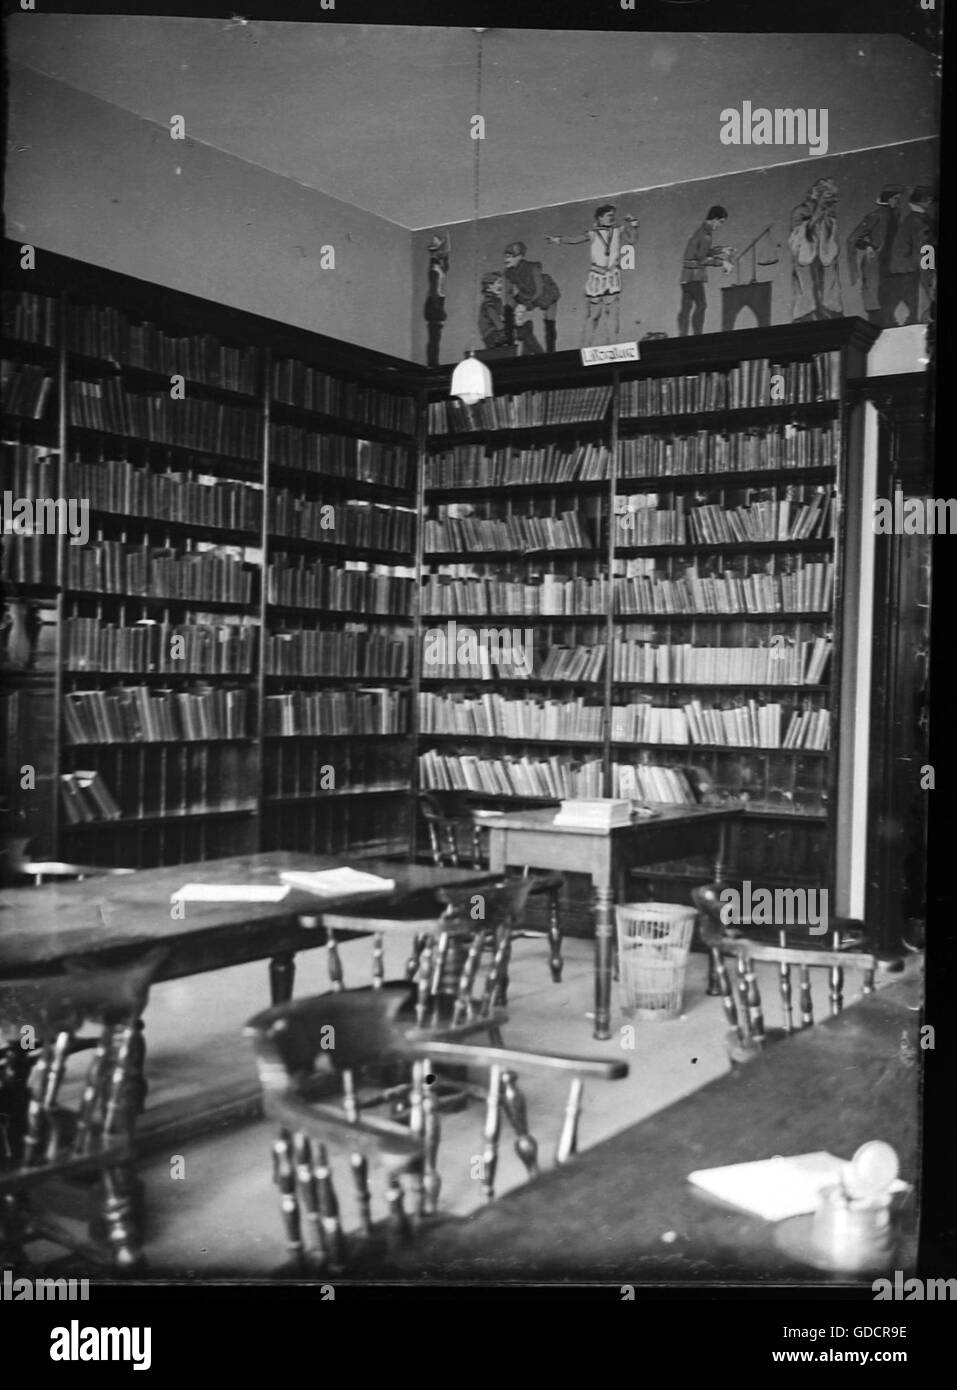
[47, 1146]
[742, 1003]
[308, 1053]
[448, 817]
[17, 865]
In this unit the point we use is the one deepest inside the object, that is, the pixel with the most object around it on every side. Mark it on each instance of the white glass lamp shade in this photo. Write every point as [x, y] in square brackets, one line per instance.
[471, 380]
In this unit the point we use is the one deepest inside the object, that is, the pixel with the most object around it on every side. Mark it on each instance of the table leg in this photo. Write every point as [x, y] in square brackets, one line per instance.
[720, 869]
[604, 938]
[282, 973]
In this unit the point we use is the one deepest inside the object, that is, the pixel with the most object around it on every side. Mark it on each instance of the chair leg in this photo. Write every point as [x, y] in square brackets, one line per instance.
[120, 1216]
[555, 962]
[282, 974]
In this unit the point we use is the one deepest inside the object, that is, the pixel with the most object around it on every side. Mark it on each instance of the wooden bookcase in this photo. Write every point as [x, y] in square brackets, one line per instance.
[347, 512]
[694, 425]
[252, 494]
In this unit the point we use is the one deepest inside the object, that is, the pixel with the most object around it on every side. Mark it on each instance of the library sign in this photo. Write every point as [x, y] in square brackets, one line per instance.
[613, 352]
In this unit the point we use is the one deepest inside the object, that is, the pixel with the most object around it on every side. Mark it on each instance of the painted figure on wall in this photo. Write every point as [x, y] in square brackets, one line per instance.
[885, 250]
[528, 287]
[815, 255]
[434, 311]
[606, 240]
[924, 205]
[700, 254]
[495, 328]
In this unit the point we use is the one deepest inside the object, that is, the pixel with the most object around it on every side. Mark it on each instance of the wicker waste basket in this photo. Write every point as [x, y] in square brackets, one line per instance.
[653, 944]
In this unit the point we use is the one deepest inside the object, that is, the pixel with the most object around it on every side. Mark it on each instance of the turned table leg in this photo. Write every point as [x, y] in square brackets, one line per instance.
[554, 936]
[604, 941]
[720, 869]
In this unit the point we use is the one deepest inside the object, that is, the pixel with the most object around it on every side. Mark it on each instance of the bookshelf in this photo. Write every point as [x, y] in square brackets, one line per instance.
[224, 665]
[667, 539]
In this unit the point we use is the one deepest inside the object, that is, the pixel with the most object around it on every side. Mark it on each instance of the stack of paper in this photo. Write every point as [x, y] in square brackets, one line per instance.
[229, 893]
[336, 883]
[600, 814]
[774, 1188]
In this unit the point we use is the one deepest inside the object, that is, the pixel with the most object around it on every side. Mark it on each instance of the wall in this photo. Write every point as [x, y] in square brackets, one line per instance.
[667, 216]
[92, 181]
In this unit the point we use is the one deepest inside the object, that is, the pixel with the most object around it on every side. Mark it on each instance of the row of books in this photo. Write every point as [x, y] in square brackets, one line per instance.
[314, 652]
[554, 595]
[747, 725]
[639, 456]
[520, 533]
[732, 451]
[31, 318]
[362, 524]
[495, 660]
[309, 768]
[28, 471]
[808, 587]
[340, 456]
[86, 797]
[296, 582]
[134, 714]
[109, 333]
[194, 648]
[783, 520]
[295, 383]
[115, 485]
[113, 567]
[336, 712]
[210, 427]
[640, 521]
[473, 465]
[782, 661]
[24, 390]
[555, 778]
[757, 382]
[565, 405]
[173, 780]
[28, 559]
[495, 716]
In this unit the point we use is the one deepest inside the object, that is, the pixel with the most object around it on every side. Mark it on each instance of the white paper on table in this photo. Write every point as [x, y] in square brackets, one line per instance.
[230, 893]
[334, 883]
[774, 1188]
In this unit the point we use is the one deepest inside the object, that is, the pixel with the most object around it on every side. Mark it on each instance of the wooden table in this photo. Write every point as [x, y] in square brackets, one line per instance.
[624, 1210]
[675, 832]
[111, 920]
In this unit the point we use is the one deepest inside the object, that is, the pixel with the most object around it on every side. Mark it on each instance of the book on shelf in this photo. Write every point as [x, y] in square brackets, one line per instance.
[120, 487]
[327, 652]
[196, 647]
[217, 574]
[297, 582]
[103, 331]
[310, 388]
[336, 712]
[675, 455]
[133, 714]
[339, 456]
[518, 533]
[85, 797]
[29, 317]
[563, 405]
[24, 390]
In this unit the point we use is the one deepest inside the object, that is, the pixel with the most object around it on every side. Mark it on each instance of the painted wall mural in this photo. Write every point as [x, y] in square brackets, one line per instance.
[819, 238]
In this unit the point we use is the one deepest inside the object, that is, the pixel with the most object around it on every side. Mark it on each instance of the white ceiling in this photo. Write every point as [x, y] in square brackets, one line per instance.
[379, 116]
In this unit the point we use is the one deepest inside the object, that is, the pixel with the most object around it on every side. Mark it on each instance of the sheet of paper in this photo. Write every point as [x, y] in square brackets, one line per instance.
[334, 883]
[774, 1188]
[230, 893]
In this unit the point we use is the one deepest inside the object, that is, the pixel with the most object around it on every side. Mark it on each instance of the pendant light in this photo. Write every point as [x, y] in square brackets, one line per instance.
[472, 380]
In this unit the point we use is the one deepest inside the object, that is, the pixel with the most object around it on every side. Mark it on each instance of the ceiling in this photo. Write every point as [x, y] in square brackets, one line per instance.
[379, 116]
